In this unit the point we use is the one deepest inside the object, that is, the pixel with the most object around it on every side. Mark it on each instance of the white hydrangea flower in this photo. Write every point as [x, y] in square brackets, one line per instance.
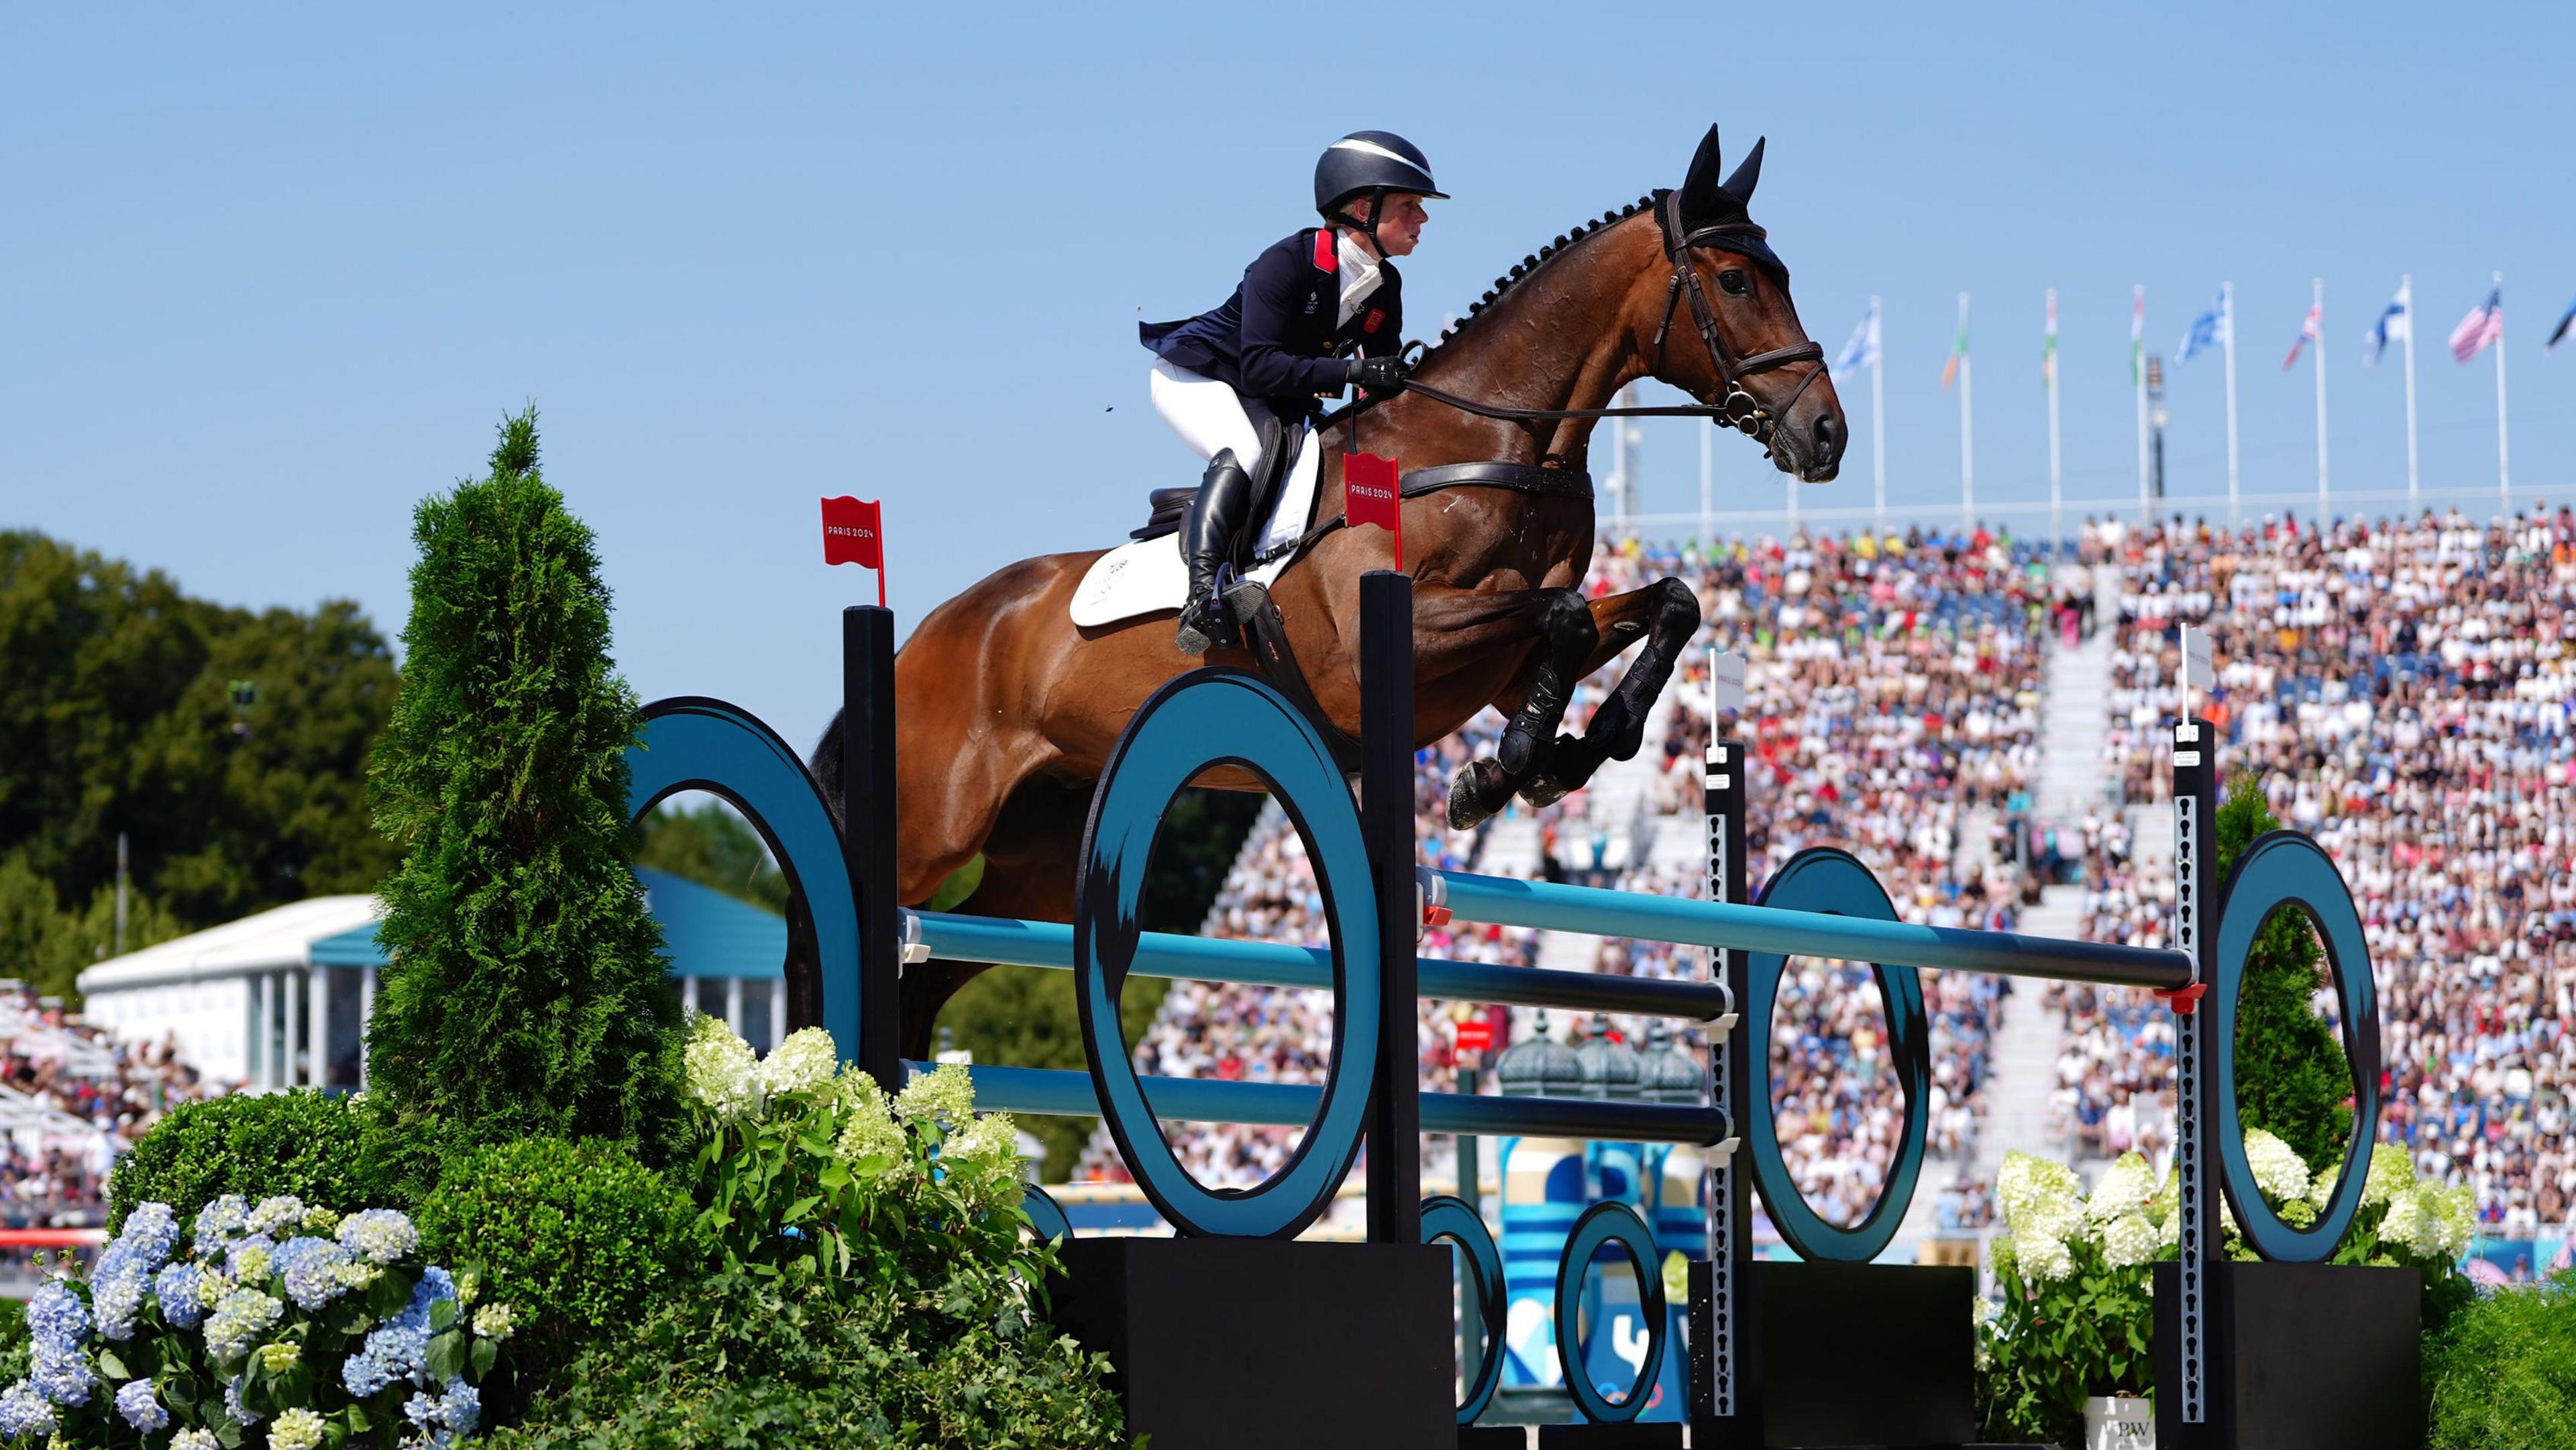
[195, 1440]
[2129, 1240]
[2044, 1260]
[2391, 1171]
[2457, 1215]
[2322, 1185]
[2040, 1198]
[283, 1211]
[296, 1429]
[723, 1076]
[945, 1096]
[872, 1131]
[2125, 1189]
[494, 1321]
[2277, 1169]
[2406, 1222]
[804, 1062]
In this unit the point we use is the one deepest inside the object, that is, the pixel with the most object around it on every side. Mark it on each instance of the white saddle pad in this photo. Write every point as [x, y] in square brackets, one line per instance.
[1149, 575]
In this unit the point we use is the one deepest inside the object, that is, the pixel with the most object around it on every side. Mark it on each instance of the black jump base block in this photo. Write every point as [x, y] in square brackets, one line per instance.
[1836, 1355]
[1633, 1435]
[2301, 1357]
[1250, 1344]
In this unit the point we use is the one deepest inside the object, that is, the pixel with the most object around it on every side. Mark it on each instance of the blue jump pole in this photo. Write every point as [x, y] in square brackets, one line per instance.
[1547, 906]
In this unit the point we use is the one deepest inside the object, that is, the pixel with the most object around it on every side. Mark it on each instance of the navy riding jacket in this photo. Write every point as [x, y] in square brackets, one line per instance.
[1277, 337]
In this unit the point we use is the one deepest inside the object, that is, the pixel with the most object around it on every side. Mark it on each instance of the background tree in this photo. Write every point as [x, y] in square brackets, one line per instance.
[2292, 1077]
[232, 800]
[525, 992]
[711, 845]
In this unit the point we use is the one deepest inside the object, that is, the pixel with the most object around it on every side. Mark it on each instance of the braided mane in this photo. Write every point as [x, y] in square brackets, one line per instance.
[1529, 264]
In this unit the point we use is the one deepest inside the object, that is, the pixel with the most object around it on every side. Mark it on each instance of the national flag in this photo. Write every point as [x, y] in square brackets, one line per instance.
[2483, 327]
[2312, 330]
[1958, 347]
[1369, 496]
[2208, 330]
[2560, 334]
[2048, 348]
[1862, 350]
[2392, 324]
[2138, 336]
[854, 533]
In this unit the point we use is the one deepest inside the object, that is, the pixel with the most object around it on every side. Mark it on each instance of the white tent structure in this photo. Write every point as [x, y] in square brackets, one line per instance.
[215, 991]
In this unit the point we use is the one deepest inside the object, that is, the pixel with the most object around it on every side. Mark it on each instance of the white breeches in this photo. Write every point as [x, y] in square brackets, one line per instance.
[1206, 413]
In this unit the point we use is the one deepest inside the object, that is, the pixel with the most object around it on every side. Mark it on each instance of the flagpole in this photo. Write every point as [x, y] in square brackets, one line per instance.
[1878, 411]
[2406, 289]
[1967, 428]
[2504, 457]
[2227, 306]
[2056, 481]
[2138, 384]
[2324, 503]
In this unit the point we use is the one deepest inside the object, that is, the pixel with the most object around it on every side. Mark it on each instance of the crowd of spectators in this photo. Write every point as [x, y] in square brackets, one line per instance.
[71, 1099]
[2401, 689]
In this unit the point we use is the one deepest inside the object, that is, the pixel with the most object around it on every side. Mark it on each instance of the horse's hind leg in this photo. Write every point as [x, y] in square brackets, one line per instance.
[1566, 636]
[1668, 612]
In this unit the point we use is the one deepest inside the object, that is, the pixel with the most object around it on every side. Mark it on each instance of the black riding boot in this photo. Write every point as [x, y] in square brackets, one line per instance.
[1218, 513]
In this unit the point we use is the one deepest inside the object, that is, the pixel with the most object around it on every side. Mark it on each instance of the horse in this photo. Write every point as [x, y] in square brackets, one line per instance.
[1006, 711]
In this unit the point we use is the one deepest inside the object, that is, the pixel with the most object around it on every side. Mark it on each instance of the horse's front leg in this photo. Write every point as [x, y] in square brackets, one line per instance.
[1454, 625]
[1667, 612]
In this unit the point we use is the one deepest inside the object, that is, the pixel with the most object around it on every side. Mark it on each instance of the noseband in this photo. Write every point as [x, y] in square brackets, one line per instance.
[1734, 406]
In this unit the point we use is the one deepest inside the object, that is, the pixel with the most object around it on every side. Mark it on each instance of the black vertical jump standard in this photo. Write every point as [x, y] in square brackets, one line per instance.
[1386, 821]
[868, 837]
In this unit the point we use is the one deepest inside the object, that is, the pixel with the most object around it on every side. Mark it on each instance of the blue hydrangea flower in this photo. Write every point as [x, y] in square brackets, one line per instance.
[220, 1220]
[250, 1258]
[448, 1415]
[140, 1408]
[310, 1268]
[64, 1379]
[117, 1298]
[240, 1322]
[381, 1235]
[179, 1287]
[24, 1412]
[241, 1414]
[151, 1231]
[283, 1211]
[57, 1321]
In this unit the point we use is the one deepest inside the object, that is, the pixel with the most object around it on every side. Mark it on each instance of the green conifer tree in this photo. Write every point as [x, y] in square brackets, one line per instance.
[2292, 1078]
[526, 991]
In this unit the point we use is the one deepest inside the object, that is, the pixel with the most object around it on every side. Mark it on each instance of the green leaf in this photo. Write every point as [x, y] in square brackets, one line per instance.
[446, 1356]
[112, 1367]
[486, 1353]
[442, 1313]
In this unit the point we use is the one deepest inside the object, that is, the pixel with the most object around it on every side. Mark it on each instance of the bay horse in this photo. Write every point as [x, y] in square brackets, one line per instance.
[1006, 710]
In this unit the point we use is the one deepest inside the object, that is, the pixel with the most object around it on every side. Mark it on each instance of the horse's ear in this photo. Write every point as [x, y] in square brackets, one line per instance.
[1700, 187]
[1748, 175]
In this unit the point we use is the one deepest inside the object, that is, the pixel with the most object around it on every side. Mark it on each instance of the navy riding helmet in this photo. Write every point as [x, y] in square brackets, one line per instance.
[1366, 162]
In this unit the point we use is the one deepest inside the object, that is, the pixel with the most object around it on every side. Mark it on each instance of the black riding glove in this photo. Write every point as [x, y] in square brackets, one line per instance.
[1380, 374]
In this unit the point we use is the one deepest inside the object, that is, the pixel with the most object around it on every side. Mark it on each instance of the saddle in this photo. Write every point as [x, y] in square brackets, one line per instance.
[1165, 506]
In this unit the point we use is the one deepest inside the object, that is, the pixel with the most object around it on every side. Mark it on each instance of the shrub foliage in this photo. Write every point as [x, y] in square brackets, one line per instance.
[325, 1150]
[526, 994]
[2292, 1078]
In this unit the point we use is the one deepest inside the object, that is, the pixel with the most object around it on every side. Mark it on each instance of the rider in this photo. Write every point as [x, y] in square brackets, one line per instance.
[1316, 311]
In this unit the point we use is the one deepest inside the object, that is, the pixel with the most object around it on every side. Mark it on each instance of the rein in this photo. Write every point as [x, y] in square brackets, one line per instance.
[1737, 409]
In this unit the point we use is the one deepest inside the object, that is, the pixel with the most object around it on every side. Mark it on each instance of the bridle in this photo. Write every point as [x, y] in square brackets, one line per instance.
[1734, 407]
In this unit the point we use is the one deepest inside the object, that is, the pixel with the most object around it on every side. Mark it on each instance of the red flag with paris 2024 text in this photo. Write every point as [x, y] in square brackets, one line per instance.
[1369, 496]
[854, 533]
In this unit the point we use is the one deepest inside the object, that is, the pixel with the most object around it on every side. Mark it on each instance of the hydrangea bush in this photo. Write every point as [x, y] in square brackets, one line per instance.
[2073, 1317]
[276, 1323]
[804, 1163]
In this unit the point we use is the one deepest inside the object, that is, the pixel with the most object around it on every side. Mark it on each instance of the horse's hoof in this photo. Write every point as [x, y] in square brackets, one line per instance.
[1475, 793]
[1544, 791]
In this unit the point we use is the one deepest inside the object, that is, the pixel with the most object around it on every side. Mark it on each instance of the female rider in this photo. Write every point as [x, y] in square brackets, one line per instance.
[1315, 312]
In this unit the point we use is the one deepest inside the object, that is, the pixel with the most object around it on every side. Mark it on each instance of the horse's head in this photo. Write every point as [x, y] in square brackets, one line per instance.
[1750, 353]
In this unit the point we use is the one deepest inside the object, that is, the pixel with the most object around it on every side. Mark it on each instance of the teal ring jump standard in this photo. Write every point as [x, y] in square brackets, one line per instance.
[693, 743]
[2286, 868]
[1206, 719]
[1046, 1216]
[1447, 1217]
[1604, 1224]
[1827, 880]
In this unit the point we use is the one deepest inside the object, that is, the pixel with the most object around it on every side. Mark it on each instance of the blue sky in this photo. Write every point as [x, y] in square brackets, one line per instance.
[266, 282]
